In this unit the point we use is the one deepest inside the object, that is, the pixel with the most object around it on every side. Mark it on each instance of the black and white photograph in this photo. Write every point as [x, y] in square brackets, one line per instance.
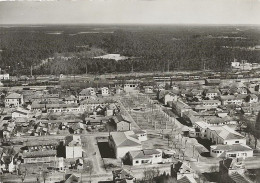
[129, 91]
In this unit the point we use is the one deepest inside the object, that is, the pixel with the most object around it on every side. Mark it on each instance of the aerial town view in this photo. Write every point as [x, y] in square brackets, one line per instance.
[87, 98]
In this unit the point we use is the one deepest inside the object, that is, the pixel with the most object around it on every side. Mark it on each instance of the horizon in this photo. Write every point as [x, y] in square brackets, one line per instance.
[129, 12]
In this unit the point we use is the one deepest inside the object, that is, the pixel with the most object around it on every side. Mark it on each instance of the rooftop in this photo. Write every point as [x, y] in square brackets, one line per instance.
[145, 153]
[231, 148]
[128, 138]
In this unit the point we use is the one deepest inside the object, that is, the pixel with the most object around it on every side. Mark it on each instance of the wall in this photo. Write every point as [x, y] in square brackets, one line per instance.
[73, 152]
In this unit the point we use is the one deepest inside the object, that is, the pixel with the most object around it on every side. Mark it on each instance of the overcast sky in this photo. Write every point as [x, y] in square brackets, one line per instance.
[131, 12]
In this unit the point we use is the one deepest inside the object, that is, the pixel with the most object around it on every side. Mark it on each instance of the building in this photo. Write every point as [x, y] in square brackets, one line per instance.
[224, 135]
[87, 93]
[211, 103]
[179, 107]
[14, 100]
[122, 142]
[231, 151]
[252, 98]
[169, 97]
[122, 175]
[21, 113]
[120, 123]
[144, 156]
[40, 156]
[104, 91]
[211, 93]
[73, 147]
[231, 99]
[148, 89]
[131, 86]
[232, 171]
[201, 129]
[141, 134]
[70, 99]
[212, 82]
[4, 76]
[182, 171]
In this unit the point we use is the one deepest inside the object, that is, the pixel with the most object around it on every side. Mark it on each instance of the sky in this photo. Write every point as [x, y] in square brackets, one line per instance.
[130, 12]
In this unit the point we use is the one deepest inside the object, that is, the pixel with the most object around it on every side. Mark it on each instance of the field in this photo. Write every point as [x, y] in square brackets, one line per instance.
[147, 115]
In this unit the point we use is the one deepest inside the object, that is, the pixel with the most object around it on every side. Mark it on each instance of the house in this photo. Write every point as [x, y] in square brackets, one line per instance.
[141, 134]
[77, 128]
[21, 113]
[179, 107]
[224, 135]
[144, 156]
[87, 93]
[73, 147]
[180, 170]
[50, 97]
[231, 99]
[211, 103]
[119, 90]
[120, 123]
[71, 178]
[191, 117]
[201, 129]
[91, 104]
[4, 77]
[211, 93]
[39, 156]
[148, 89]
[41, 145]
[232, 171]
[104, 91]
[242, 90]
[122, 142]
[212, 82]
[14, 100]
[111, 109]
[122, 175]
[169, 97]
[231, 151]
[252, 98]
[196, 92]
[8, 163]
[70, 99]
[131, 86]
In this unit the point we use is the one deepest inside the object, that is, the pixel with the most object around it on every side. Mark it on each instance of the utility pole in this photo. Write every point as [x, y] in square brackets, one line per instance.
[31, 70]
[168, 66]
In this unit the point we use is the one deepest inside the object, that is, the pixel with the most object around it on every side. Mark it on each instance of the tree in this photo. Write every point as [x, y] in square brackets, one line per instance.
[88, 167]
[45, 176]
[256, 131]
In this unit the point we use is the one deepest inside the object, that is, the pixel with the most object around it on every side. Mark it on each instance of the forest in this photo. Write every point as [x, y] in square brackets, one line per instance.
[150, 48]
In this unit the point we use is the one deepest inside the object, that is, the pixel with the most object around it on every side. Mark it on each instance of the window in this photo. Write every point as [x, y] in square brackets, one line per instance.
[137, 161]
[237, 142]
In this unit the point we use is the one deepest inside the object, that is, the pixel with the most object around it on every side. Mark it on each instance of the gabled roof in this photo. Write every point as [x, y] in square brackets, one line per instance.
[238, 178]
[231, 148]
[123, 139]
[226, 133]
[119, 118]
[71, 178]
[35, 154]
[121, 174]
[14, 96]
[145, 153]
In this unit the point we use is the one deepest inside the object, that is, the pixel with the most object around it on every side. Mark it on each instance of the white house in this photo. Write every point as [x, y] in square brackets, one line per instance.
[148, 89]
[231, 99]
[169, 97]
[123, 142]
[73, 147]
[141, 134]
[104, 91]
[231, 151]
[224, 135]
[211, 93]
[201, 129]
[14, 100]
[144, 156]
[131, 87]
[4, 77]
